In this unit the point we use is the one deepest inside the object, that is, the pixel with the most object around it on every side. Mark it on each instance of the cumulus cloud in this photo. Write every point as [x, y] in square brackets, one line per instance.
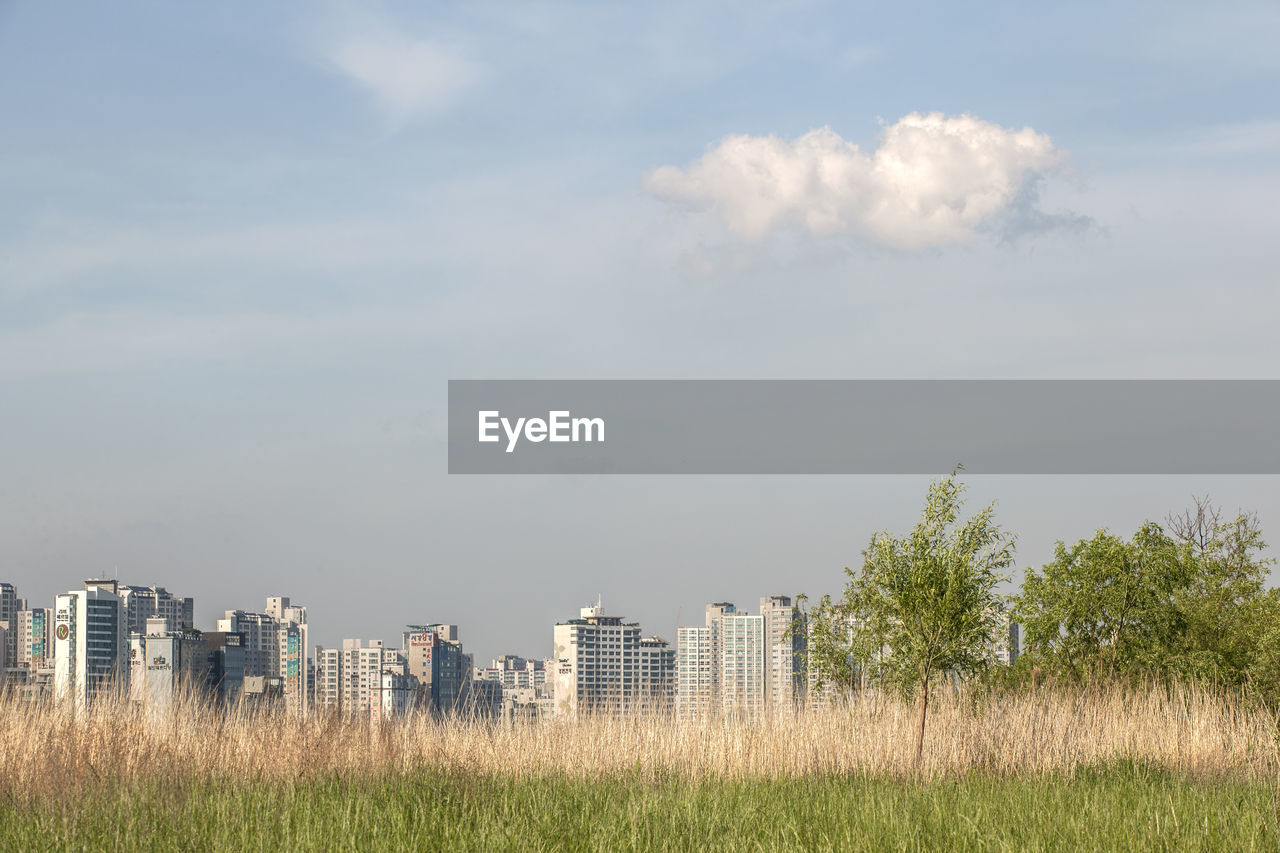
[933, 180]
[408, 77]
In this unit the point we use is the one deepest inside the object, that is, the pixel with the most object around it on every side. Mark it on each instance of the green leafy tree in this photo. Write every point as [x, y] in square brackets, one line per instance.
[922, 605]
[1224, 607]
[1104, 606]
[1184, 600]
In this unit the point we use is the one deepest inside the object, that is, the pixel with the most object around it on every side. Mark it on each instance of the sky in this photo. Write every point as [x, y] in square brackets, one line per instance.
[244, 246]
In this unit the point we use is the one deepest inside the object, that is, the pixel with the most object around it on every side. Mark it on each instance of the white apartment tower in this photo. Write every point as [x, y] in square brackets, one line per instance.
[698, 662]
[742, 670]
[784, 682]
[694, 668]
[90, 642]
[328, 689]
[721, 667]
[597, 663]
[353, 680]
[360, 675]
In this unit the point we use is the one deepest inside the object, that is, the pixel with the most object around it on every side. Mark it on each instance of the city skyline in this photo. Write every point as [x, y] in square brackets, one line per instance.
[509, 629]
[118, 640]
[170, 612]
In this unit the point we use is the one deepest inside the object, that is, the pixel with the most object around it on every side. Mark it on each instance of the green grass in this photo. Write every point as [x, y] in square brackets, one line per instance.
[1121, 807]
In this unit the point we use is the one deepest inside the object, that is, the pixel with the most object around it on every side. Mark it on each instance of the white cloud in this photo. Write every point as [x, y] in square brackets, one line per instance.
[408, 77]
[934, 180]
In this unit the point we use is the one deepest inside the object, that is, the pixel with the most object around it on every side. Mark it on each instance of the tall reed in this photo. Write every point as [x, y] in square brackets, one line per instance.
[48, 750]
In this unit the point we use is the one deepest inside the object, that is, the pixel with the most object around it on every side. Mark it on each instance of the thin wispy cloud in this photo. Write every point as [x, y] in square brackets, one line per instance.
[408, 77]
[934, 180]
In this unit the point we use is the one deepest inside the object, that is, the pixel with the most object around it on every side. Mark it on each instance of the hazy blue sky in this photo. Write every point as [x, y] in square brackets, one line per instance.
[242, 249]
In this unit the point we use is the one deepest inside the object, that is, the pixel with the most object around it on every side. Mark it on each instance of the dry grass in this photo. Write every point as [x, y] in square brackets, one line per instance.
[1036, 733]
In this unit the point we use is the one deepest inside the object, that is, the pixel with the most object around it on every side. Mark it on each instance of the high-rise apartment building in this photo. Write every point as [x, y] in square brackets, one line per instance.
[275, 645]
[656, 665]
[360, 675]
[328, 681]
[365, 680]
[695, 670]
[742, 670]
[35, 638]
[786, 642]
[698, 662]
[10, 605]
[597, 663]
[721, 666]
[90, 642]
[143, 603]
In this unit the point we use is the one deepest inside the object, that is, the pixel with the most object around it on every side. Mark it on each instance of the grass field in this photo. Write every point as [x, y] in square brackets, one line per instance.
[1122, 806]
[1177, 769]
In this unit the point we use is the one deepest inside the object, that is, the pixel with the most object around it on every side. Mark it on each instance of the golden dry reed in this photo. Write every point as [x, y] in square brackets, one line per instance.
[45, 750]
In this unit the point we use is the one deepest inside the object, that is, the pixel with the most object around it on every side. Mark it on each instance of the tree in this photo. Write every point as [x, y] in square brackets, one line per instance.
[922, 605]
[1181, 601]
[1225, 593]
[1104, 607]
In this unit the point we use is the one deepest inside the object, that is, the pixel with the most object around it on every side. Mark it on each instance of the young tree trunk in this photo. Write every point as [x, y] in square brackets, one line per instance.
[924, 709]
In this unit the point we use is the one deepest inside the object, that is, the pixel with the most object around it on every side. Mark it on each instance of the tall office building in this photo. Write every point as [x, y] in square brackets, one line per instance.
[786, 642]
[226, 662]
[434, 656]
[275, 645]
[482, 699]
[143, 603]
[597, 663]
[90, 642]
